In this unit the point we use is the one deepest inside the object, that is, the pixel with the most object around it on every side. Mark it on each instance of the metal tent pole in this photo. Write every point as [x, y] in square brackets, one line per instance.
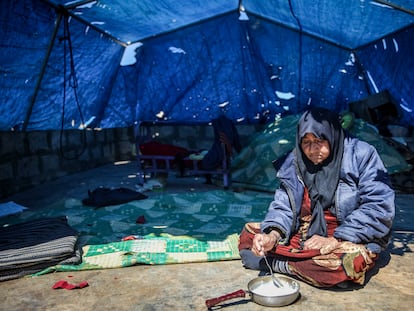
[396, 6]
[42, 72]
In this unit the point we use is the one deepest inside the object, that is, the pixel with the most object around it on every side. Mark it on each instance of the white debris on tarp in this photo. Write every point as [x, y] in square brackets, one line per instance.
[128, 58]
[83, 6]
[160, 114]
[243, 16]
[283, 141]
[285, 95]
[87, 123]
[374, 85]
[351, 60]
[404, 105]
[10, 208]
[223, 104]
[150, 185]
[383, 5]
[395, 45]
[173, 49]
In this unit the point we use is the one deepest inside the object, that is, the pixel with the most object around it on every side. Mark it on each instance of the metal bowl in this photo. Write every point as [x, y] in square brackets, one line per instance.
[262, 291]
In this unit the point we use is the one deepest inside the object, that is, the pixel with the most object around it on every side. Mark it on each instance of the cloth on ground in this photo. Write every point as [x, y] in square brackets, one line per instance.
[66, 285]
[104, 196]
[32, 246]
[10, 208]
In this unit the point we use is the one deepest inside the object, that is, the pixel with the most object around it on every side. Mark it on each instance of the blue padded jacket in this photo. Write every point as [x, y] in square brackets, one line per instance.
[364, 201]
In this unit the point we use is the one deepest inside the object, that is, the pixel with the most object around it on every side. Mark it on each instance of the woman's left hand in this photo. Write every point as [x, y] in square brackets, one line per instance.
[325, 245]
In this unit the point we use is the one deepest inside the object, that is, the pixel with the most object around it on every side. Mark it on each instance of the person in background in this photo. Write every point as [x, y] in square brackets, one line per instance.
[225, 133]
[331, 216]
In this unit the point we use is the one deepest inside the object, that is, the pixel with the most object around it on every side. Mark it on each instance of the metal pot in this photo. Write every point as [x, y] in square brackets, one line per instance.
[263, 292]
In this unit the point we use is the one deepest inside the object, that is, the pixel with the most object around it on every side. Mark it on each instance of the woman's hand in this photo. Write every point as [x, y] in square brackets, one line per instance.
[263, 242]
[325, 245]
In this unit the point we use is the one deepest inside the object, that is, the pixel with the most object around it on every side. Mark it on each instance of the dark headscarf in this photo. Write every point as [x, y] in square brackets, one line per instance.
[321, 180]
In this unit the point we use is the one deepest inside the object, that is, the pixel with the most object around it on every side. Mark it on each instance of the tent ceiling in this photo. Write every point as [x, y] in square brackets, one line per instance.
[112, 63]
[135, 20]
[349, 24]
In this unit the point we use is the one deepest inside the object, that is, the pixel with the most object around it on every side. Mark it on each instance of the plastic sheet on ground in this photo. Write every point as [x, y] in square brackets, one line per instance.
[253, 168]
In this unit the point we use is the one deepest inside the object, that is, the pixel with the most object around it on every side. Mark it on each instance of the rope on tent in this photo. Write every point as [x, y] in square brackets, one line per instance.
[74, 84]
[362, 70]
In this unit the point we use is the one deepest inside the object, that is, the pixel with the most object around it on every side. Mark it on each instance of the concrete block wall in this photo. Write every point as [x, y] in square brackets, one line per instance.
[32, 158]
[28, 159]
[196, 137]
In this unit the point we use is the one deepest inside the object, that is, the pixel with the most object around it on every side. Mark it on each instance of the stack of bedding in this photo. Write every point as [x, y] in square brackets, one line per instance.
[32, 246]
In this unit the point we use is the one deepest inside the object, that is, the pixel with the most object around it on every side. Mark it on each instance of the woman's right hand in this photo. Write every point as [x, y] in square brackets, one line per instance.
[263, 242]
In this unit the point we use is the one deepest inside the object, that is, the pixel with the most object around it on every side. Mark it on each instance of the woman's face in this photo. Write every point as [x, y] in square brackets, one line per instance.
[316, 150]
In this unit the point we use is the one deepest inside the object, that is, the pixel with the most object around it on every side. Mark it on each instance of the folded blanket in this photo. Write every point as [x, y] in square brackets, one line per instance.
[29, 247]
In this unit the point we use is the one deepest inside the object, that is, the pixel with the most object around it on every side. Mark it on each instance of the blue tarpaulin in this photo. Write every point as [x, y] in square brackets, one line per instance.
[76, 64]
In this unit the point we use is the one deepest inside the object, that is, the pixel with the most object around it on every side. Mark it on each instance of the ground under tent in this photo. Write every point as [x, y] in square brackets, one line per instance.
[191, 61]
[187, 286]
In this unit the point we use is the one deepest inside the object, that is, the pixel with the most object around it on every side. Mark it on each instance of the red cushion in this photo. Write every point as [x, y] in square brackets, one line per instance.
[156, 148]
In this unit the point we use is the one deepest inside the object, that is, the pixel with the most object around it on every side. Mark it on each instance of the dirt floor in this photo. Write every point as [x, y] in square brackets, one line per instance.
[187, 286]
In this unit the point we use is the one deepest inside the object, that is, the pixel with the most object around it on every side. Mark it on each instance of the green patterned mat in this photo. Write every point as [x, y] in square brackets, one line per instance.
[153, 250]
[178, 228]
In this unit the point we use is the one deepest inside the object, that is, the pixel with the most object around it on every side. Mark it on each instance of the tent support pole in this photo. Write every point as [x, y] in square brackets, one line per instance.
[42, 72]
[395, 6]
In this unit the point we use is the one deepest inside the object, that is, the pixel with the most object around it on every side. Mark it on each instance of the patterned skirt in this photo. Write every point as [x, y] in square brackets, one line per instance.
[321, 268]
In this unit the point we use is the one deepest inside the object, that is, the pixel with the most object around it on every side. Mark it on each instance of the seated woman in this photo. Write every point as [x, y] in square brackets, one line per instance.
[331, 216]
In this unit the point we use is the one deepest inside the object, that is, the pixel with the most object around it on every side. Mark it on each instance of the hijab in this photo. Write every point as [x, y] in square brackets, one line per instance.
[321, 180]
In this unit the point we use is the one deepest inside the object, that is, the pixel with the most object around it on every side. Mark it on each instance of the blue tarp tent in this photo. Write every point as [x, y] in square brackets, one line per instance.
[113, 63]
